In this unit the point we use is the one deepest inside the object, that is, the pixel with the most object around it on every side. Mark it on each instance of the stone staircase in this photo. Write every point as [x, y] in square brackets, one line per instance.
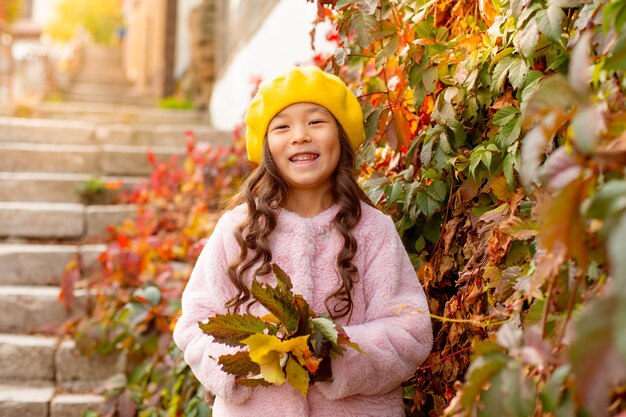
[44, 225]
[101, 79]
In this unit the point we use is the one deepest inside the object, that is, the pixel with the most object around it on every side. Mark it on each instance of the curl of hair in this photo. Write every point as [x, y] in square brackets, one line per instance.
[264, 193]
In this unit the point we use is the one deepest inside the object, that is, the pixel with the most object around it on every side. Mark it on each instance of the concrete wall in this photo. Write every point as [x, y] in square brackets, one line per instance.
[144, 55]
[183, 36]
[281, 41]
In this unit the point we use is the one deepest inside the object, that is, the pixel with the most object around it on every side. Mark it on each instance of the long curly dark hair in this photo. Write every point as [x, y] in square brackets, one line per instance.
[264, 191]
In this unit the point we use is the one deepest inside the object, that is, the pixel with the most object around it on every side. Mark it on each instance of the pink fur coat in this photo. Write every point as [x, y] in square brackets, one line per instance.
[389, 320]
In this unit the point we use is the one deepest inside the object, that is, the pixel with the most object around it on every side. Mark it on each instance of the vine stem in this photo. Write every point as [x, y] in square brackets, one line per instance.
[484, 322]
[570, 306]
[546, 306]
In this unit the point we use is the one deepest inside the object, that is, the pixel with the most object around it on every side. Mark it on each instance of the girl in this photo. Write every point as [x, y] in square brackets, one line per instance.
[303, 210]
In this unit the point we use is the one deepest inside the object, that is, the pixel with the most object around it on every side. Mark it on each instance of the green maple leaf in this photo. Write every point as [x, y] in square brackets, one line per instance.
[327, 328]
[284, 281]
[239, 364]
[304, 316]
[230, 329]
[278, 302]
[253, 382]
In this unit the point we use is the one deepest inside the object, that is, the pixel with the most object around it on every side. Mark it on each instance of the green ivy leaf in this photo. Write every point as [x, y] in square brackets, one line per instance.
[368, 6]
[429, 79]
[479, 374]
[396, 192]
[527, 39]
[230, 329]
[504, 115]
[500, 73]
[554, 387]
[510, 393]
[390, 48]
[608, 200]
[509, 162]
[549, 22]
[374, 187]
[150, 293]
[371, 124]
[364, 25]
[518, 72]
[510, 132]
[616, 59]
[430, 198]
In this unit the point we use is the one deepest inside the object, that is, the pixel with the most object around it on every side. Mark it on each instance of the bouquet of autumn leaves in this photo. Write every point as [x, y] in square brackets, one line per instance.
[290, 344]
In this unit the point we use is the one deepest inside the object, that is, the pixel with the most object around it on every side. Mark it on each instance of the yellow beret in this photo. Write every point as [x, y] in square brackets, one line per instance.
[302, 85]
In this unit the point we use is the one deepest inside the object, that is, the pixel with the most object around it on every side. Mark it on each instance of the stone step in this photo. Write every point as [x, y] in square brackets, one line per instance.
[27, 308]
[133, 160]
[13, 129]
[58, 132]
[87, 97]
[93, 77]
[160, 134]
[45, 359]
[52, 187]
[42, 220]
[94, 70]
[40, 401]
[35, 157]
[115, 160]
[27, 358]
[20, 401]
[30, 264]
[93, 53]
[75, 371]
[98, 89]
[95, 74]
[74, 405]
[119, 113]
[60, 220]
[99, 218]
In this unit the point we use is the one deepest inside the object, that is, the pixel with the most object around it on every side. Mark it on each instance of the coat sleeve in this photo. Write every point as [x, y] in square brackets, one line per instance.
[204, 296]
[397, 334]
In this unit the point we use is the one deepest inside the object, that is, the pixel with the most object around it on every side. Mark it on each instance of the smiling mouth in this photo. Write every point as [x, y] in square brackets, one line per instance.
[304, 158]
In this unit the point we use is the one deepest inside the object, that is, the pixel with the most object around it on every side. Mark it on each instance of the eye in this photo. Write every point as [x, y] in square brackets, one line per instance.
[317, 121]
[280, 127]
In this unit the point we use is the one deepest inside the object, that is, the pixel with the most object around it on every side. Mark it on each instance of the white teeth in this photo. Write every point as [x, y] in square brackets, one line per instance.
[304, 158]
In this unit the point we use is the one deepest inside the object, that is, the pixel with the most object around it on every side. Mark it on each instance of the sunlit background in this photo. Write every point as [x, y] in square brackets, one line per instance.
[203, 54]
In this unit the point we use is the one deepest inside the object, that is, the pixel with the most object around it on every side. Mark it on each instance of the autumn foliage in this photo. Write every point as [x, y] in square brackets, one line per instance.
[496, 141]
[292, 343]
[141, 276]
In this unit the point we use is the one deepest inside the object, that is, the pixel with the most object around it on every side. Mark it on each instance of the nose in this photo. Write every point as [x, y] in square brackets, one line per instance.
[300, 135]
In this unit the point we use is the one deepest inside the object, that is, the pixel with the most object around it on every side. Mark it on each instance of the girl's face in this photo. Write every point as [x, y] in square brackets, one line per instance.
[304, 142]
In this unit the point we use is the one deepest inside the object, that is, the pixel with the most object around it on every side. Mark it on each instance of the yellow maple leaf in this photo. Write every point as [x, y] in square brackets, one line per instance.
[272, 371]
[297, 376]
[268, 351]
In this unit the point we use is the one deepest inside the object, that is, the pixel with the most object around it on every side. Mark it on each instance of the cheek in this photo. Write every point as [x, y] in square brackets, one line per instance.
[274, 147]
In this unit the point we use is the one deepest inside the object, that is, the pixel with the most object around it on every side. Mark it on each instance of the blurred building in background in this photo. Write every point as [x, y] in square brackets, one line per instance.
[207, 52]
